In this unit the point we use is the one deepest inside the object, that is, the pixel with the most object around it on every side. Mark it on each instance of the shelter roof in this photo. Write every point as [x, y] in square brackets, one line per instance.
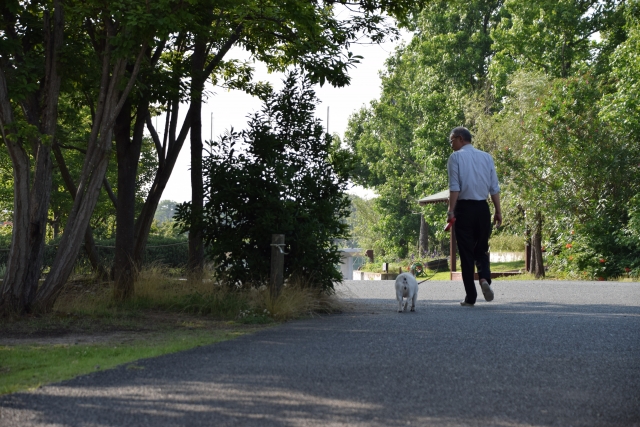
[441, 197]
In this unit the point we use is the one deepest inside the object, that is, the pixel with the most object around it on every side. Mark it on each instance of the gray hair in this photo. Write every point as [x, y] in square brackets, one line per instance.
[462, 132]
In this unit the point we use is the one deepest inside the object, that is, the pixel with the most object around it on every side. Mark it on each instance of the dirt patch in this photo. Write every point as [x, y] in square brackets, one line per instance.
[57, 329]
[74, 338]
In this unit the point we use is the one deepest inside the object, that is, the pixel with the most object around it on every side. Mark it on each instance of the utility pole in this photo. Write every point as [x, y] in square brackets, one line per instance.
[211, 132]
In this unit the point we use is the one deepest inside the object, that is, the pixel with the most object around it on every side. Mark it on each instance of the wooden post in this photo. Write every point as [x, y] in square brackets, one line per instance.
[452, 251]
[277, 264]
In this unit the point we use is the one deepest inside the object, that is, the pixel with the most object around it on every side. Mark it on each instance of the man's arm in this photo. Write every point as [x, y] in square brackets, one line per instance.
[453, 199]
[497, 216]
[452, 172]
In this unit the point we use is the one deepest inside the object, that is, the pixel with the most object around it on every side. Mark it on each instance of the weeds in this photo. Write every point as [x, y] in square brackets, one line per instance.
[295, 301]
[251, 317]
[155, 289]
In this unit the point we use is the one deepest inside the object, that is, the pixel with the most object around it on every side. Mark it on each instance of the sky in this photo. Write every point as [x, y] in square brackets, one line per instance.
[225, 109]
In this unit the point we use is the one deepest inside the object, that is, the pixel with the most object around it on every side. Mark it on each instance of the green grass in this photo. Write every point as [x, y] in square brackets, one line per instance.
[507, 266]
[376, 267]
[495, 267]
[442, 275]
[25, 367]
[393, 267]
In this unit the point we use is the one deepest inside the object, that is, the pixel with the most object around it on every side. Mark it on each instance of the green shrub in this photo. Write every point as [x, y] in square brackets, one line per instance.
[506, 243]
[592, 252]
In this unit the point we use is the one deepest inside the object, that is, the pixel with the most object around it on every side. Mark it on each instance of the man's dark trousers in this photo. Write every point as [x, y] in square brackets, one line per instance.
[473, 229]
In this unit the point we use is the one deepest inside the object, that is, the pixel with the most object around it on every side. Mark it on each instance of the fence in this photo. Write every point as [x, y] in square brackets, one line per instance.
[172, 253]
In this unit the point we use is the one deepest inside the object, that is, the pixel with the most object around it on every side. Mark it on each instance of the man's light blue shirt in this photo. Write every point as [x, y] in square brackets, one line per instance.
[472, 173]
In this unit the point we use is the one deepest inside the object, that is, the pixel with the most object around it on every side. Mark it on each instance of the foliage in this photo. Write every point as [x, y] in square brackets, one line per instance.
[549, 35]
[362, 216]
[400, 140]
[166, 229]
[5, 236]
[557, 155]
[165, 211]
[280, 176]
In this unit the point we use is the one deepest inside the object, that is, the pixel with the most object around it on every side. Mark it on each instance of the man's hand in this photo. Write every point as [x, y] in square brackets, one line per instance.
[497, 219]
[450, 215]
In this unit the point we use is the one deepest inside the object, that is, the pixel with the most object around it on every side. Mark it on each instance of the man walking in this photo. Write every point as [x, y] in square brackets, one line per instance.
[472, 177]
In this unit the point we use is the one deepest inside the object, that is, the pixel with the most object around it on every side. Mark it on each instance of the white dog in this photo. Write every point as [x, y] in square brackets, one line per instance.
[406, 287]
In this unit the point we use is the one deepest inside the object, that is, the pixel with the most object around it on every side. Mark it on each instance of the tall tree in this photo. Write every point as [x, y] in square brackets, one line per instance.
[121, 34]
[28, 116]
[557, 40]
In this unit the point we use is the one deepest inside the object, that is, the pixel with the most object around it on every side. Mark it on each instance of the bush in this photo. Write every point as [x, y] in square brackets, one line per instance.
[594, 251]
[281, 176]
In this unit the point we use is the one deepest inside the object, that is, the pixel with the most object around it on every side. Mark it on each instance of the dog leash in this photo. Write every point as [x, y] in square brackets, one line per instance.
[428, 278]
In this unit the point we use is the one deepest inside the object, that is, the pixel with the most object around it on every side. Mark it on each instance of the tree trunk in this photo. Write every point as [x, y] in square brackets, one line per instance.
[39, 209]
[537, 265]
[128, 154]
[89, 243]
[74, 232]
[196, 250]
[424, 237]
[94, 167]
[31, 204]
[15, 290]
[532, 259]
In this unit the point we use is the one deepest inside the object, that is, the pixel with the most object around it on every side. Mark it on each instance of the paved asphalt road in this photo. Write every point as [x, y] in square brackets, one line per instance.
[541, 354]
